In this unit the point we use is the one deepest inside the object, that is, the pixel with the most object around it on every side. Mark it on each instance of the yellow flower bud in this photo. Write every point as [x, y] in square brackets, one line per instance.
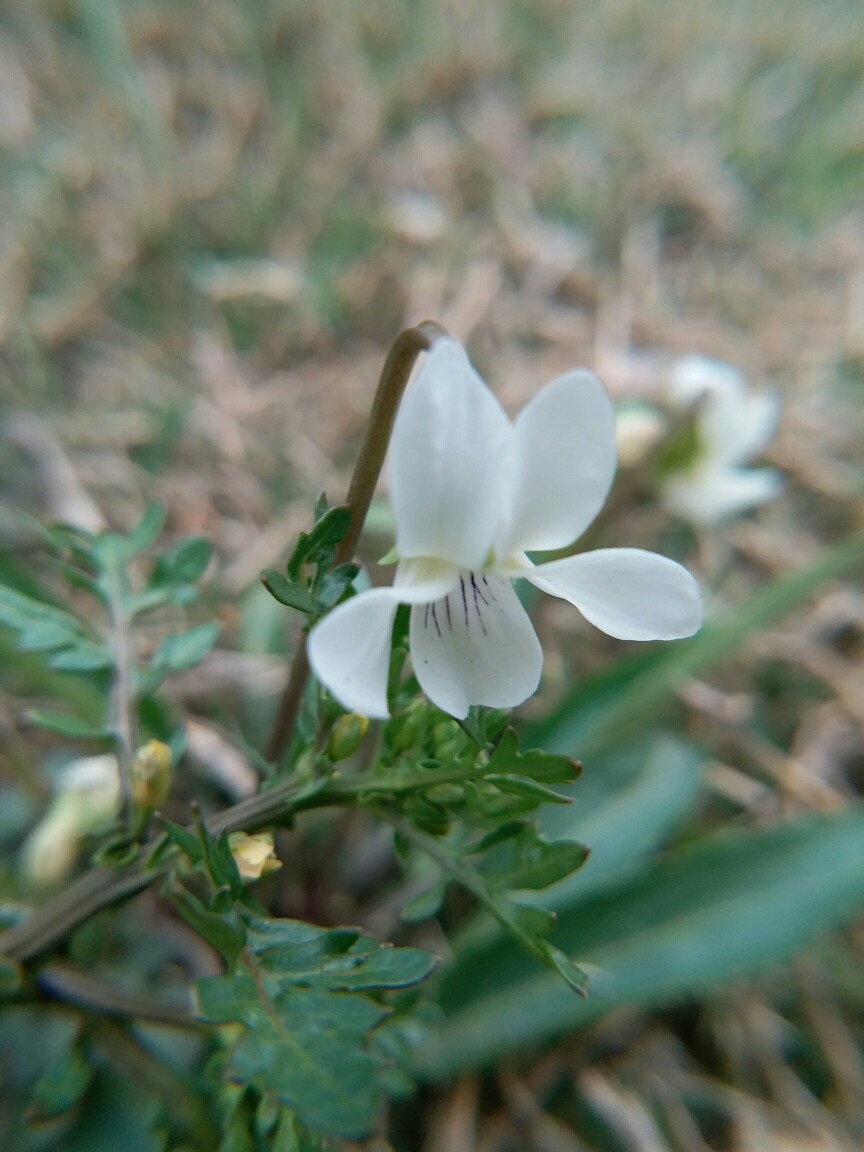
[346, 735]
[254, 856]
[150, 774]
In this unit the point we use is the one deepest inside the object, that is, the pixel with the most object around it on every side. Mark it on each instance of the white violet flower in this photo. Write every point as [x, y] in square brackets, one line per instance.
[732, 425]
[472, 493]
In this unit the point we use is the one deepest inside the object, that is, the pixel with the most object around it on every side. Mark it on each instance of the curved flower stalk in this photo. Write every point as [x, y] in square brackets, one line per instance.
[732, 425]
[472, 494]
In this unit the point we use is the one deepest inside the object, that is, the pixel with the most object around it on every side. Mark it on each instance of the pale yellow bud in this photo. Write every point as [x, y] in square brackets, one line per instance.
[150, 774]
[255, 855]
[86, 800]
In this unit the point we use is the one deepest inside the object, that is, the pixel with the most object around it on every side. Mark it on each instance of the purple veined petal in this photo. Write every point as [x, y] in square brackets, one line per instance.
[451, 462]
[626, 592]
[713, 494]
[349, 650]
[566, 458]
[475, 646]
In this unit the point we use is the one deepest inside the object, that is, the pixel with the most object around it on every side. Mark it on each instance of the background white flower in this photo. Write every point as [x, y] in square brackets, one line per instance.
[732, 426]
[472, 494]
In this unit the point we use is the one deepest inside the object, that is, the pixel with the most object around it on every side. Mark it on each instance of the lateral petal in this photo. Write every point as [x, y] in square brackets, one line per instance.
[566, 462]
[626, 592]
[349, 651]
[451, 462]
[475, 646]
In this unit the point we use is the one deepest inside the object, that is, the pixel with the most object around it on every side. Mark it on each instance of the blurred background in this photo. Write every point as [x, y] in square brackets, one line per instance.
[216, 216]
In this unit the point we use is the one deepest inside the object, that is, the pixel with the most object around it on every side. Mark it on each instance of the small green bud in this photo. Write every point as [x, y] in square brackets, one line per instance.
[347, 735]
[150, 774]
[445, 794]
[404, 730]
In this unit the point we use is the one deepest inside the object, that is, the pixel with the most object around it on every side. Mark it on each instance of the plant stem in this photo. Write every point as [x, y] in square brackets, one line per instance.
[102, 887]
[63, 982]
[391, 385]
[123, 707]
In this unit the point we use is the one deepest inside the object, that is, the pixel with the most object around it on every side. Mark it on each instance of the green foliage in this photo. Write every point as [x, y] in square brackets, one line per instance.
[312, 584]
[303, 998]
[717, 911]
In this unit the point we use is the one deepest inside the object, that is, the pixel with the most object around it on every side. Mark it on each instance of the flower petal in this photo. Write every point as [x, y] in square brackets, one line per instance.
[475, 646]
[625, 592]
[452, 462]
[737, 429]
[349, 651]
[566, 462]
[711, 495]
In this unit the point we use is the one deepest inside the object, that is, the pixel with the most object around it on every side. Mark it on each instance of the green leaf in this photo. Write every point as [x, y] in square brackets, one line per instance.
[84, 656]
[299, 992]
[186, 840]
[522, 786]
[319, 545]
[334, 583]
[67, 725]
[147, 530]
[546, 767]
[184, 563]
[719, 911]
[60, 1086]
[187, 648]
[41, 626]
[223, 930]
[289, 592]
[529, 860]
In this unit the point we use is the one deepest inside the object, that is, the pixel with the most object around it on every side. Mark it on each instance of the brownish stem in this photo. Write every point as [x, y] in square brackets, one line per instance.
[391, 385]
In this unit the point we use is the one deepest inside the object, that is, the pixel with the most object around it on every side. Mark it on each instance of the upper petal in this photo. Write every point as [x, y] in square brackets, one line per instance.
[713, 494]
[475, 646]
[566, 462]
[451, 462]
[627, 593]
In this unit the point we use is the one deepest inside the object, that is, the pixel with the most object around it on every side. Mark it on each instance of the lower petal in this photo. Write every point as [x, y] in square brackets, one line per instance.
[625, 592]
[475, 646]
[349, 651]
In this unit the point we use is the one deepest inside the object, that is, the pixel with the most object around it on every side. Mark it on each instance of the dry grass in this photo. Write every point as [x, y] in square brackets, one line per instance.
[215, 218]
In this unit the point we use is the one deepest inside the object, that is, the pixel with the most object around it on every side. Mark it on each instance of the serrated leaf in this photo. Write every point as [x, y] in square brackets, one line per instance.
[545, 767]
[67, 725]
[298, 991]
[288, 592]
[186, 649]
[529, 860]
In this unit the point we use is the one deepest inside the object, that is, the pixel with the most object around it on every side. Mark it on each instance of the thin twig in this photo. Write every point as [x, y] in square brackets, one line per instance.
[63, 982]
[391, 385]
